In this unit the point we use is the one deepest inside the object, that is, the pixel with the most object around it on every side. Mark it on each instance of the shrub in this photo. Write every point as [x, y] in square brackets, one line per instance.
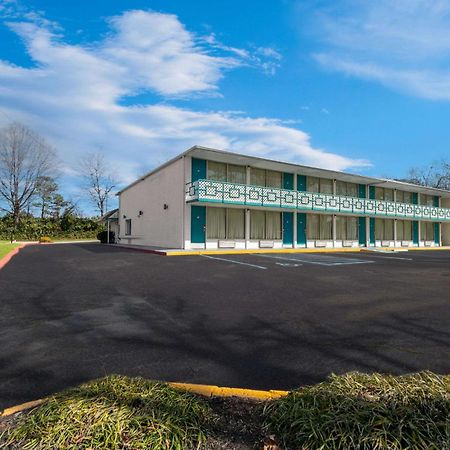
[103, 237]
[45, 239]
[365, 412]
[115, 412]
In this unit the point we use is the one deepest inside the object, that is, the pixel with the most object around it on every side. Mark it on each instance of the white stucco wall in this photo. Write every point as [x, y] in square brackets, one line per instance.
[156, 226]
[445, 226]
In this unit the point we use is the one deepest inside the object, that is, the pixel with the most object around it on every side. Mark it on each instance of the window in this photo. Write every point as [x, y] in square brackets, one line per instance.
[384, 229]
[127, 227]
[269, 178]
[321, 185]
[403, 197]
[347, 189]
[319, 227]
[427, 231]
[347, 228]
[226, 172]
[427, 200]
[225, 223]
[384, 194]
[265, 225]
[404, 230]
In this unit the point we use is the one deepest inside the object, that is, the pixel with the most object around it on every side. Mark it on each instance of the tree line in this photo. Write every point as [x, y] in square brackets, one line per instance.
[30, 199]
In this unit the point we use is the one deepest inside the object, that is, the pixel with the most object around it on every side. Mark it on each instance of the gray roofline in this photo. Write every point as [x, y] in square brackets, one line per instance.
[364, 179]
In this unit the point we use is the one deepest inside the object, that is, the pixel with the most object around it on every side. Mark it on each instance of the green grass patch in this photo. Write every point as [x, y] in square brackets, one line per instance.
[6, 247]
[358, 411]
[114, 413]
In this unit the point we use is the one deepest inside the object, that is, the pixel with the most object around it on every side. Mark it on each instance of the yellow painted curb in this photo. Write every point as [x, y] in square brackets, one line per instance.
[202, 389]
[296, 250]
[22, 407]
[216, 391]
[261, 251]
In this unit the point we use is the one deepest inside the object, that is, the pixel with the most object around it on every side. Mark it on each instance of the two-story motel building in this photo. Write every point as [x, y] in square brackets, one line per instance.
[212, 199]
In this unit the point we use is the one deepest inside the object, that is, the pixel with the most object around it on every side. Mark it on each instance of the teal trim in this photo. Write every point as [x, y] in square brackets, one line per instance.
[288, 228]
[416, 231]
[437, 234]
[198, 224]
[301, 228]
[198, 169]
[415, 198]
[436, 201]
[301, 182]
[372, 192]
[372, 231]
[288, 181]
[362, 231]
[361, 190]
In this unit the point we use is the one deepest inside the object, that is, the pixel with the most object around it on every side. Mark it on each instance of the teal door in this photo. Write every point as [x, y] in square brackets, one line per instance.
[198, 224]
[288, 228]
[372, 231]
[198, 169]
[362, 231]
[301, 229]
[415, 233]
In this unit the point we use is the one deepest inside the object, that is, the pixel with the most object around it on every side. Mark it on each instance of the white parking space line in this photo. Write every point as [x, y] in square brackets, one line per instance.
[323, 262]
[391, 257]
[234, 261]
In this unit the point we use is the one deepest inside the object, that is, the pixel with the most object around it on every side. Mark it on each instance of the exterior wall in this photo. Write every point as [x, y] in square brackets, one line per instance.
[156, 226]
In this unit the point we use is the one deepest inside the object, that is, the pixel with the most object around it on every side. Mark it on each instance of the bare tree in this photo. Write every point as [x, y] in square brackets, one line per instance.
[99, 181]
[436, 175]
[25, 157]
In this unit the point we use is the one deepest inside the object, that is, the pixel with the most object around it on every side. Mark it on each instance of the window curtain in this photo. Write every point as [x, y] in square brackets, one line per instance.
[389, 195]
[312, 184]
[379, 193]
[273, 179]
[389, 229]
[215, 223]
[341, 187]
[404, 230]
[341, 227]
[217, 171]
[407, 198]
[312, 226]
[257, 224]
[427, 231]
[257, 177]
[427, 200]
[237, 174]
[352, 228]
[273, 225]
[326, 227]
[236, 224]
[326, 186]
[352, 190]
[379, 229]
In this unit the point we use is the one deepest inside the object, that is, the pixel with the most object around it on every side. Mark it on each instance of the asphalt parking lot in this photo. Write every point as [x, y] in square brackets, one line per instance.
[70, 313]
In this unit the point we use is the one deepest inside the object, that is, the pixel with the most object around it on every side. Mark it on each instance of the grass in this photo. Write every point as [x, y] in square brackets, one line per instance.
[358, 411]
[114, 413]
[6, 247]
[352, 411]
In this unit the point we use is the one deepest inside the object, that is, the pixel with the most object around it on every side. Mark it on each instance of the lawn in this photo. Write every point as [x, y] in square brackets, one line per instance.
[6, 247]
[358, 411]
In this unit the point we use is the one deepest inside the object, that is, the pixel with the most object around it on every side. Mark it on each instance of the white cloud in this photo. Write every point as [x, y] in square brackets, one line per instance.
[403, 44]
[73, 96]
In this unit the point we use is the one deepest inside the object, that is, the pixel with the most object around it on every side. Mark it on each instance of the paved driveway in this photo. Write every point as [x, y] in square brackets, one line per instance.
[70, 313]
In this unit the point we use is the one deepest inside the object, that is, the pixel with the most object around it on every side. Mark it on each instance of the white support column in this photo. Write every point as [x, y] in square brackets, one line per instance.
[419, 223]
[334, 217]
[395, 220]
[294, 238]
[247, 211]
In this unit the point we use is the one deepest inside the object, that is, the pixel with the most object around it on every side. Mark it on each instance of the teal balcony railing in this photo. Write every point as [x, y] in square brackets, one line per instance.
[210, 191]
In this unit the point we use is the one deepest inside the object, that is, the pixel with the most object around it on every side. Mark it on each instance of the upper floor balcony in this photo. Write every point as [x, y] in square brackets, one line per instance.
[209, 191]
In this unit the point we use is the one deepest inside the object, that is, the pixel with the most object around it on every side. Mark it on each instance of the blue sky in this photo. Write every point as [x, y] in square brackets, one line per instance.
[349, 85]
